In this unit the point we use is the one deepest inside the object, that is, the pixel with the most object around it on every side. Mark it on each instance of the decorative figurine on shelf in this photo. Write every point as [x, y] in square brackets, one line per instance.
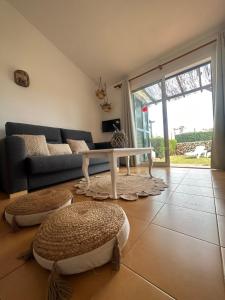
[101, 94]
[119, 138]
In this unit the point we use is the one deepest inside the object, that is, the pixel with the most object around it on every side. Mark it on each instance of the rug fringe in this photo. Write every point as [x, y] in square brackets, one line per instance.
[58, 287]
[116, 256]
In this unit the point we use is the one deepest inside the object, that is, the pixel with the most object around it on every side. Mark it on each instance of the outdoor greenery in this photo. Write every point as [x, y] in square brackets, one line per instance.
[194, 136]
[182, 160]
[157, 144]
[172, 146]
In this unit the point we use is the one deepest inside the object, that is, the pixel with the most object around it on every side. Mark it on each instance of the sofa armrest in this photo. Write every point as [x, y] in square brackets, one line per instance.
[13, 176]
[103, 145]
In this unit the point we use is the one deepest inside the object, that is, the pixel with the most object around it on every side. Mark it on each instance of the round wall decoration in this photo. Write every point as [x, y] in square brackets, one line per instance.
[21, 78]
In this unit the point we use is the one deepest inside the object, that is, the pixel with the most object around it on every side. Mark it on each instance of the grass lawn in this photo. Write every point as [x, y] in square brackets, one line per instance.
[182, 160]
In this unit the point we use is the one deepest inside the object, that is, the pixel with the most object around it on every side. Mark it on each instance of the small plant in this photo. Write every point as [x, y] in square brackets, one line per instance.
[157, 144]
[172, 146]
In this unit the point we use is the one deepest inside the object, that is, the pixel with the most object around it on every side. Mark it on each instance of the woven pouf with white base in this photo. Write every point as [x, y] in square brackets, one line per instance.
[32, 208]
[81, 237]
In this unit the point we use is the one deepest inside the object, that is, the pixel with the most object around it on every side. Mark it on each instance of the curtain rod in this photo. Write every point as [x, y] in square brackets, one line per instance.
[168, 62]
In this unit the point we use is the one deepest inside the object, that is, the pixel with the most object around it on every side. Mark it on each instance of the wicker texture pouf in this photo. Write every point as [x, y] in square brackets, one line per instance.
[31, 209]
[81, 237]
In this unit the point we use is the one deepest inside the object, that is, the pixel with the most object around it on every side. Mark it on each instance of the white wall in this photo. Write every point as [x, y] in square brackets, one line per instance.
[115, 99]
[60, 94]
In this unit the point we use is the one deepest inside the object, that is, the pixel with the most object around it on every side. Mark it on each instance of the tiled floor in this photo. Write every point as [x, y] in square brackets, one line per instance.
[176, 248]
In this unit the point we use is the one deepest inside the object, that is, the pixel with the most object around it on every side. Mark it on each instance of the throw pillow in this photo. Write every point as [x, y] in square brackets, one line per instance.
[35, 144]
[59, 149]
[77, 146]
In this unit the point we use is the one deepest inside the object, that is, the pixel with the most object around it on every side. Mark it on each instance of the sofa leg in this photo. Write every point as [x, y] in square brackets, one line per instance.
[18, 194]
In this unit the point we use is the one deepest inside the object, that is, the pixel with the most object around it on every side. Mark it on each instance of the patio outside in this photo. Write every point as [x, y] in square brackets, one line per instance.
[189, 114]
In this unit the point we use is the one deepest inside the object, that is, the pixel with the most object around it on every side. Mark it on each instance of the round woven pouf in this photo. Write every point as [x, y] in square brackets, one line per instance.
[32, 208]
[81, 237]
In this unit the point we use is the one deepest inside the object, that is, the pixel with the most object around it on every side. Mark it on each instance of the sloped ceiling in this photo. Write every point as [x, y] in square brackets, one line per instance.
[113, 38]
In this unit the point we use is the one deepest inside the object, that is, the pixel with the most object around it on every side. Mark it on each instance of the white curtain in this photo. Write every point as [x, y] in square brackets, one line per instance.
[218, 146]
[128, 117]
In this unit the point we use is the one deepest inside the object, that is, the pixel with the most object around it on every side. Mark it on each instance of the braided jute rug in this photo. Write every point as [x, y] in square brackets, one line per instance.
[129, 187]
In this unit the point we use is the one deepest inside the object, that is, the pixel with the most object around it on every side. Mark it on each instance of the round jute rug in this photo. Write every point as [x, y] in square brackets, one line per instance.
[129, 187]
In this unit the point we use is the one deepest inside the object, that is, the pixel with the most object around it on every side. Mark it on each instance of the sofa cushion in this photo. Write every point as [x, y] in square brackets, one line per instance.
[54, 163]
[77, 146]
[35, 144]
[53, 135]
[58, 163]
[59, 149]
[77, 135]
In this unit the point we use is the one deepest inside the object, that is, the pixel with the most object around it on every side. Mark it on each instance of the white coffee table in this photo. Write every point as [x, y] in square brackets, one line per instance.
[112, 155]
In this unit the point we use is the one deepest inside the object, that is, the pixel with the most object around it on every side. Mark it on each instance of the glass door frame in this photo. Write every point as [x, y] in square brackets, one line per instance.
[165, 127]
[165, 98]
[144, 131]
[166, 163]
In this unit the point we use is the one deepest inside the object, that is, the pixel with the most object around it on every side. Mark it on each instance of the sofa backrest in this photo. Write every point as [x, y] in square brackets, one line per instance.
[52, 134]
[77, 135]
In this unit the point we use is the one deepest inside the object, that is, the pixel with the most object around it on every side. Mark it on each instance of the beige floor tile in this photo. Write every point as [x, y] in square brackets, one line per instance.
[219, 192]
[4, 227]
[163, 197]
[218, 174]
[195, 190]
[4, 203]
[202, 183]
[137, 228]
[127, 285]
[220, 206]
[221, 224]
[196, 176]
[203, 171]
[172, 187]
[218, 182]
[195, 223]
[192, 201]
[30, 282]
[172, 180]
[184, 267]
[12, 245]
[144, 209]
[178, 170]
[223, 258]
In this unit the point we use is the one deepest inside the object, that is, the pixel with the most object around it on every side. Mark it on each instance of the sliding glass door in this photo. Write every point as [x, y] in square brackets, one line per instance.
[187, 126]
[149, 110]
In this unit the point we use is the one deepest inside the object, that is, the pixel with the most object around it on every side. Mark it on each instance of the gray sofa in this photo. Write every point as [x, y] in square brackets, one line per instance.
[18, 172]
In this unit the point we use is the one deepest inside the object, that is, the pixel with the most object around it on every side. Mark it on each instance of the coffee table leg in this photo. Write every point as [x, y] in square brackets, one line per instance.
[113, 168]
[128, 164]
[85, 165]
[150, 162]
